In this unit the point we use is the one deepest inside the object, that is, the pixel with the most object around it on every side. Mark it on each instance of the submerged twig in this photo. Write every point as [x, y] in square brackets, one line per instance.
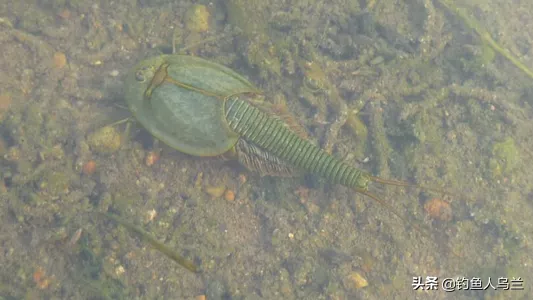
[187, 264]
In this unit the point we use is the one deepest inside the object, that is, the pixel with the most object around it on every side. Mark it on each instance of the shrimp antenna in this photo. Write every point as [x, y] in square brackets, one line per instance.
[407, 184]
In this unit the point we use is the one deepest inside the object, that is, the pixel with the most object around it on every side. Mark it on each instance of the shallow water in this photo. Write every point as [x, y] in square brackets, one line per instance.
[406, 90]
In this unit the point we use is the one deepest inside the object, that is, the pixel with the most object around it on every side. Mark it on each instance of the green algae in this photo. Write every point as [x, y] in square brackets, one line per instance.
[54, 183]
[250, 18]
[360, 131]
[485, 36]
[505, 158]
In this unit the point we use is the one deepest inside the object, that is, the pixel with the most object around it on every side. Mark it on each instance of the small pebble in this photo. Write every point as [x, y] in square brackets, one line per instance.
[119, 270]
[114, 73]
[65, 14]
[105, 140]
[150, 216]
[229, 195]
[355, 281]
[89, 167]
[151, 158]
[60, 60]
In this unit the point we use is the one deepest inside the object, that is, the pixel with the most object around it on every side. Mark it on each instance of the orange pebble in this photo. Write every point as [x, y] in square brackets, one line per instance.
[229, 195]
[65, 14]
[438, 209]
[39, 277]
[151, 158]
[89, 167]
